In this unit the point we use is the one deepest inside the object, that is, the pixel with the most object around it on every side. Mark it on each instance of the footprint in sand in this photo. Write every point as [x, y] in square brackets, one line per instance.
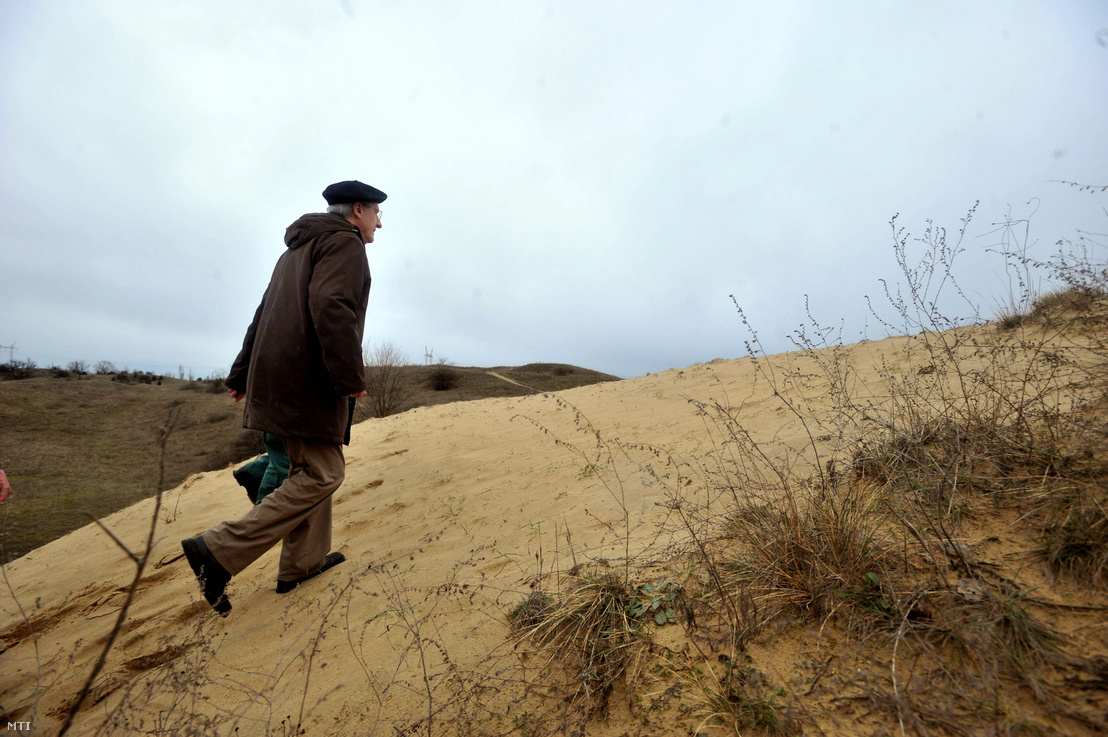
[359, 490]
[370, 485]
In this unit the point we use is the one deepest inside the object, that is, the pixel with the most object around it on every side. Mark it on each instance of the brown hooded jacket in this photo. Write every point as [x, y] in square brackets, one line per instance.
[302, 355]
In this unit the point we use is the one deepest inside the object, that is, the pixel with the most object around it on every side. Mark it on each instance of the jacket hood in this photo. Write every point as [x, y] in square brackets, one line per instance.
[309, 227]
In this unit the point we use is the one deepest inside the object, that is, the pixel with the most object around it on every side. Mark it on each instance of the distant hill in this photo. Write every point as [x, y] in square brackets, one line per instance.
[76, 444]
[439, 384]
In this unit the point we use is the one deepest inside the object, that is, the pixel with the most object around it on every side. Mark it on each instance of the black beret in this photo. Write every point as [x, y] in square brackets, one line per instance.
[352, 191]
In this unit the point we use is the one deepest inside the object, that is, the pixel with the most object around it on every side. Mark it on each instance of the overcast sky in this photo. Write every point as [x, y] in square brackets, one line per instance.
[577, 182]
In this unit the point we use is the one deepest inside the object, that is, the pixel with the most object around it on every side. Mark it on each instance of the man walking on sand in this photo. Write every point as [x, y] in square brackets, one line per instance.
[300, 370]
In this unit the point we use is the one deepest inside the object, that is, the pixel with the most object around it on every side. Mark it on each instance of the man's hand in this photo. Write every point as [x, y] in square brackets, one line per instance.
[359, 395]
[235, 395]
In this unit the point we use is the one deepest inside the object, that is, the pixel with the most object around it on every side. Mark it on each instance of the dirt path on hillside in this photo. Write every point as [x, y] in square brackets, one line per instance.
[511, 381]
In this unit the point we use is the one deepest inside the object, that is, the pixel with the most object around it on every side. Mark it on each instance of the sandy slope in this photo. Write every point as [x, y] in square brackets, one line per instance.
[445, 517]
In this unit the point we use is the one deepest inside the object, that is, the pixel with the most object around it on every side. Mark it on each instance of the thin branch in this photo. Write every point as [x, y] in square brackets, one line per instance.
[109, 533]
[140, 565]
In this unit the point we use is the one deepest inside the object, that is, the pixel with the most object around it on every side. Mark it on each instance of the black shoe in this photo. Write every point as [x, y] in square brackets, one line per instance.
[211, 576]
[332, 560]
[250, 484]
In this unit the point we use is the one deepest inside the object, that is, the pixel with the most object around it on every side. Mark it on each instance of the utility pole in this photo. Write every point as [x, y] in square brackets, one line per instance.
[11, 351]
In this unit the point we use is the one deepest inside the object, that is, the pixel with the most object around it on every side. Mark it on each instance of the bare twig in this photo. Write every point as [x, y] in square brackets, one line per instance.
[140, 566]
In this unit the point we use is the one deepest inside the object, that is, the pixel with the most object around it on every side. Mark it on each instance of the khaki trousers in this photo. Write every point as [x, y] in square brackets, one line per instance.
[297, 514]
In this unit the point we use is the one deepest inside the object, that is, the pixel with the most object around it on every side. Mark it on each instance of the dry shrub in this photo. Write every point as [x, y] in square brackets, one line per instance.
[388, 386]
[17, 370]
[442, 378]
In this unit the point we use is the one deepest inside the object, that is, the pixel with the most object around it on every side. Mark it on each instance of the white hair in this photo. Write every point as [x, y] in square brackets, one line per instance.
[344, 209]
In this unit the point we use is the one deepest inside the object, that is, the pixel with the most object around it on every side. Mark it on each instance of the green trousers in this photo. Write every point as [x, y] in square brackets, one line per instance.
[271, 469]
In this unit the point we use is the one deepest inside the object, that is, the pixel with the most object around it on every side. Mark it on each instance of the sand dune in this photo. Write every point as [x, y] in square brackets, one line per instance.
[447, 516]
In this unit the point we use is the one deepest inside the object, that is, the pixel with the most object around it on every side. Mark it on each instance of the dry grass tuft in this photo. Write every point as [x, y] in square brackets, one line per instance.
[811, 550]
[1072, 522]
[743, 700]
[589, 627]
[1076, 301]
[531, 613]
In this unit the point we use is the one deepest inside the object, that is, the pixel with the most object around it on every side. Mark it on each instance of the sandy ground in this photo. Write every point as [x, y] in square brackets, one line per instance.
[447, 516]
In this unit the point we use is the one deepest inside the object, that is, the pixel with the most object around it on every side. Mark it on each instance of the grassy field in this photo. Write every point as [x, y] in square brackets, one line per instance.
[87, 445]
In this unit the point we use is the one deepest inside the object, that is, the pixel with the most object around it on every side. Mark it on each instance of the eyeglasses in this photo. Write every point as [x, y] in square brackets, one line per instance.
[367, 206]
